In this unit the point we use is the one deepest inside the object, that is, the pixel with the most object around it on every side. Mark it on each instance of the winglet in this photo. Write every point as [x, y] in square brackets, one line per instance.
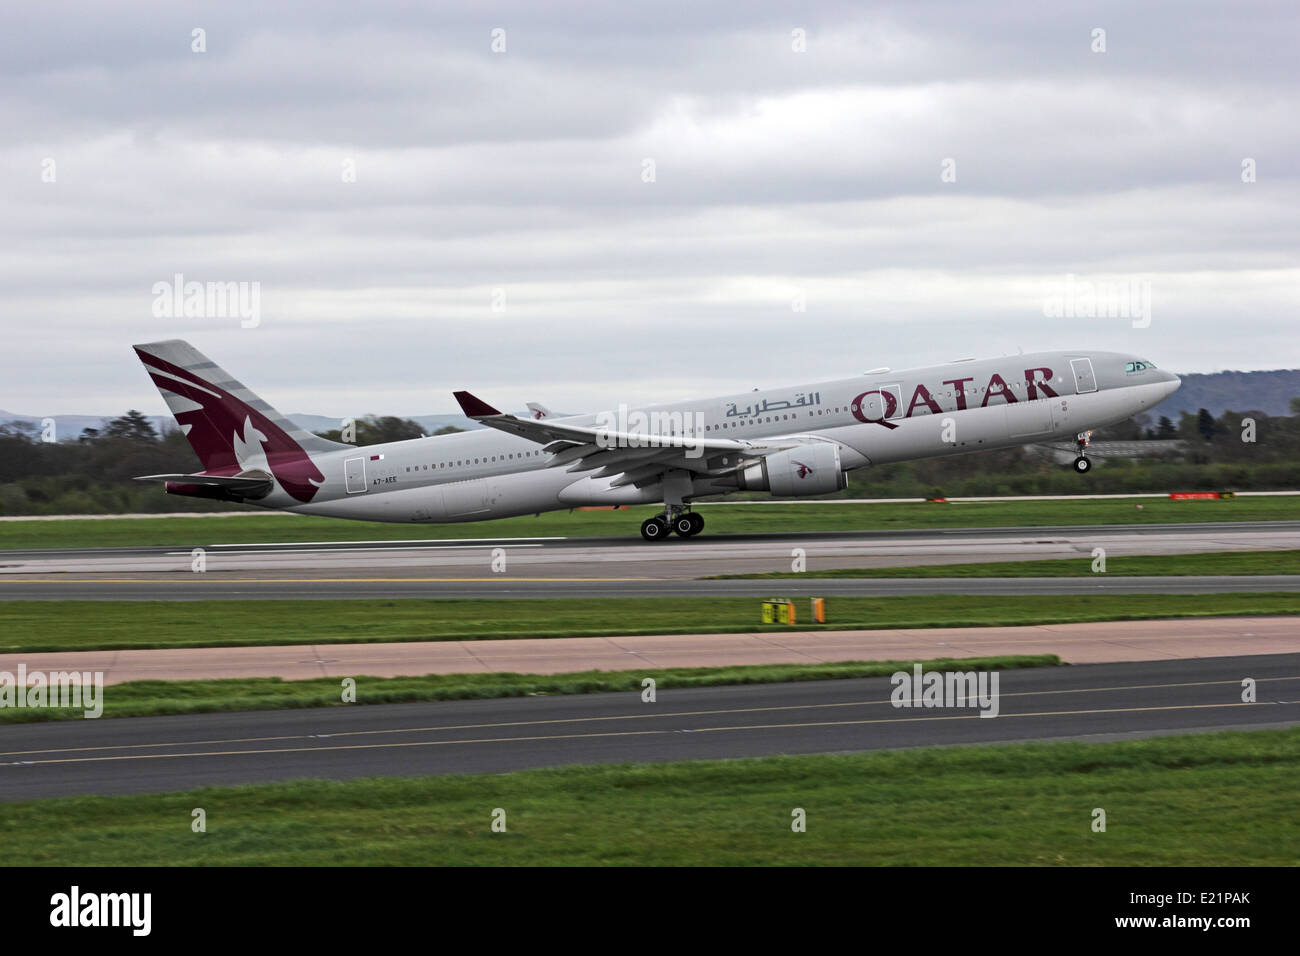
[474, 407]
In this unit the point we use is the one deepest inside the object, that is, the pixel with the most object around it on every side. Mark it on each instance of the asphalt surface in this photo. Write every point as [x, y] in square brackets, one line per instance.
[1089, 702]
[604, 567]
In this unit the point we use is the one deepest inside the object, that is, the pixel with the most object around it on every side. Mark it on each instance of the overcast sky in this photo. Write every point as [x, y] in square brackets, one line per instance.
[500, 233]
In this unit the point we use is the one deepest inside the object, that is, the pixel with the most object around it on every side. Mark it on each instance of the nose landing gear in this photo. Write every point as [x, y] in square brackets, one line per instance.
[1082, 464]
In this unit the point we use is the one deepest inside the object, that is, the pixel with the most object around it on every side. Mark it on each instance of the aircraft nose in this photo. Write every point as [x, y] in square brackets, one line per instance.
[1171, 382]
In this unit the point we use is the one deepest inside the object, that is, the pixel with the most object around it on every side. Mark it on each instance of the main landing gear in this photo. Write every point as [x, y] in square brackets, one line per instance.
[1082, 464]
[683, 523]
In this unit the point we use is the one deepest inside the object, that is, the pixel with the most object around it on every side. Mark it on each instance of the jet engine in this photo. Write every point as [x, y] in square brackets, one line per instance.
[809, 470]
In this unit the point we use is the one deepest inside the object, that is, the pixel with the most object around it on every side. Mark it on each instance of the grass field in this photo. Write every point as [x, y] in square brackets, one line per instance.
[722, 518]
[28, 626]
[154, 697]
[1190, 800]
[1155, 565]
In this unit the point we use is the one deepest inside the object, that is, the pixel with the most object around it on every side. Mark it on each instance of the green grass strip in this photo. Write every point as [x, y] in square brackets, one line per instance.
[154, 697]
[30, 626]
[1225, 799]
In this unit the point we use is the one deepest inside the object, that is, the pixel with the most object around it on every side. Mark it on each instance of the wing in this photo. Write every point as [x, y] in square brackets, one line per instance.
[634, 458]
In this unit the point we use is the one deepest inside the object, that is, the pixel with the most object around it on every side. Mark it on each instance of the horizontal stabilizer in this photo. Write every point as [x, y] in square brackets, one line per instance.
[242, 485]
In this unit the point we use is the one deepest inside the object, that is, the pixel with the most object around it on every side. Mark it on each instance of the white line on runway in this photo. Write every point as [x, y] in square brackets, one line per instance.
[347, 551]
[277, 544]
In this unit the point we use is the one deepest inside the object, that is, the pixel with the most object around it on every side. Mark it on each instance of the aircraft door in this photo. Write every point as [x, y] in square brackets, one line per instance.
[1084, 379]
[354, 475]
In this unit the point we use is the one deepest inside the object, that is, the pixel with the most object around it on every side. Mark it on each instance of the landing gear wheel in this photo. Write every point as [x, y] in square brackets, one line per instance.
[1082, 465]
[688, 524]
[654, 529]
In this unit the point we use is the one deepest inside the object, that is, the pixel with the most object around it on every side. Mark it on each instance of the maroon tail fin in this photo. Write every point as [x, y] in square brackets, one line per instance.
[230, 428]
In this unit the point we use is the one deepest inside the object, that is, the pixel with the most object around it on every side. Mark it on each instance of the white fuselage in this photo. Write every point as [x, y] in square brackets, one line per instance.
[884, 416]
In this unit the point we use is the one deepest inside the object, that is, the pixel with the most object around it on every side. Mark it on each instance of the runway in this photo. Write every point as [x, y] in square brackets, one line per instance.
[1091, 702]
[603, 567]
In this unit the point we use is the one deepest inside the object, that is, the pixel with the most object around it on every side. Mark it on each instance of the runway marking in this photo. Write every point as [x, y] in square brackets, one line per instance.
[627, 733]
[195, 578]
[600, 717]
[350, 544]
[349, 552]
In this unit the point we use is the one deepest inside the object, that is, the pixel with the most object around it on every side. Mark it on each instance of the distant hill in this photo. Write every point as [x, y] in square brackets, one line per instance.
[430, 423]
[1267, 392]
[69, 427]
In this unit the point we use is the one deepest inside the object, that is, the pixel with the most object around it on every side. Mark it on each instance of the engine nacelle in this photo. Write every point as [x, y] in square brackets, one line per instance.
[809, 470]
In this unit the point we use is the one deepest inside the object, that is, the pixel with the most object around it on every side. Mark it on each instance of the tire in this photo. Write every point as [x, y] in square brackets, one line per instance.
[697, 523]
[684, 525]
[654, 529]
[1082, 465]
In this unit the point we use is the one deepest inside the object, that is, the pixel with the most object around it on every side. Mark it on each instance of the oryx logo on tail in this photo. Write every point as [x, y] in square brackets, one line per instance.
[228, 432]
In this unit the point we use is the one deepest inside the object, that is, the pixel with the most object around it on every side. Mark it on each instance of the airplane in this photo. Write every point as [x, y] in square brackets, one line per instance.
[795, 441]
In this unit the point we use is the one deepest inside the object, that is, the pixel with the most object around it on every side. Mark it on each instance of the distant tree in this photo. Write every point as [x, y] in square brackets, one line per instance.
[1166, 429]
[376, 430]
[22, 431]
[391, 428]
[132, 426]
[449, 430]
[1205, 424]
[1295, 405]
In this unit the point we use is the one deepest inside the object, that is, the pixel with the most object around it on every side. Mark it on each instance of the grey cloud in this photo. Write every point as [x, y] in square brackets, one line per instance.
[775, 172]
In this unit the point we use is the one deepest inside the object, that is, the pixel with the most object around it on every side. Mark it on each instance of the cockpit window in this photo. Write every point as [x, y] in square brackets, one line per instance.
[1138, 366]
